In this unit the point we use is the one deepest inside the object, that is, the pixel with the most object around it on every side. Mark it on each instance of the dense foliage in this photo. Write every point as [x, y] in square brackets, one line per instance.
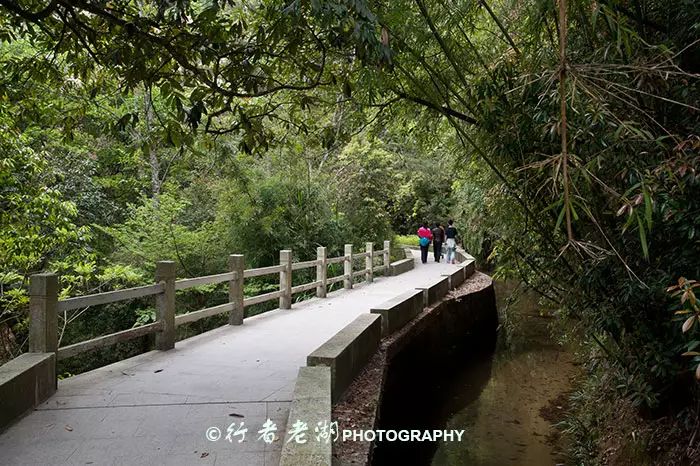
[99, 200]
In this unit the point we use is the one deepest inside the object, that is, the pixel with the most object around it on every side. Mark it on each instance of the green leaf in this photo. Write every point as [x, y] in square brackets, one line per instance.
[573, 212]
[647, 208]
[561, 217]
[643, 237]
[594, 17]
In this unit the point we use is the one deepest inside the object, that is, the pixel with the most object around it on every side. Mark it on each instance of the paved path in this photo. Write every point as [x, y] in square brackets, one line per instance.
[155, 408]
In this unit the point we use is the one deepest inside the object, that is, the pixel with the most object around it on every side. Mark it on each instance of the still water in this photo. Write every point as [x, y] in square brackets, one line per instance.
[501, 390]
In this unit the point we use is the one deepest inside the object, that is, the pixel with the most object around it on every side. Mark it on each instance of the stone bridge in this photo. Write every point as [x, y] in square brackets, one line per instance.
[191, 401]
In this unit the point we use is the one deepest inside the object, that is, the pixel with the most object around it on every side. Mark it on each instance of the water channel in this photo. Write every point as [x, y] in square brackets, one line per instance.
[503, 389]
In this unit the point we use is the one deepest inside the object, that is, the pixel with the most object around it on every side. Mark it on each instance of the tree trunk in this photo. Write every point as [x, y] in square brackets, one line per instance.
[148, 146]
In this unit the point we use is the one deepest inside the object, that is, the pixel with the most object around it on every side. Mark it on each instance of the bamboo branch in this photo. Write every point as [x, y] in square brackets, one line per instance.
[500, 26]
[563, 30]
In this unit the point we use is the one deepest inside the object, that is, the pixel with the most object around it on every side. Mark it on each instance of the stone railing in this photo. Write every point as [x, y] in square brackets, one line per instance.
[33, 374]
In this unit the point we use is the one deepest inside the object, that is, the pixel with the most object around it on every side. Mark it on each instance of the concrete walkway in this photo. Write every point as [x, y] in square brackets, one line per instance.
[156, 408]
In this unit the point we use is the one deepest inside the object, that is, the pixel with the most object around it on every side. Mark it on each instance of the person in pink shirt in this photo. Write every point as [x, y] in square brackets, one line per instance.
[425, 236]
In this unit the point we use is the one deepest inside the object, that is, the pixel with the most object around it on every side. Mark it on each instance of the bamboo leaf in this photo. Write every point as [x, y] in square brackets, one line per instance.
[553, 205]
[594, 17]
[647, 208]
[573, 212]
[560, 219]
[630, 219]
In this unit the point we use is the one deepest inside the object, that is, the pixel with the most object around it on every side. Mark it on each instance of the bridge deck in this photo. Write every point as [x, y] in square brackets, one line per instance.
[155, 408]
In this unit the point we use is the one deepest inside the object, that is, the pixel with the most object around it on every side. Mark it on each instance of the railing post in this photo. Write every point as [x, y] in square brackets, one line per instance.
[387, 249]
[321, 271]
[286, 279]
[165, 305]
[236, 264]
[43, 309]
[369, 262]
[348, 267]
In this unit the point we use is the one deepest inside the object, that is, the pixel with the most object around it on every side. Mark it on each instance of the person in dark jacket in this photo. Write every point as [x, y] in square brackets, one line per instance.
[438, 239]
[451, 234]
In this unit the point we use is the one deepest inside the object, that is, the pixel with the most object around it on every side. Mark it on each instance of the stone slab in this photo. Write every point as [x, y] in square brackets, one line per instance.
[469, 267]
[398, 311]
[434, 290]
[311, 404]
[455, 278]
[463, 255]
[25, 382]
[347, 352]
[399, 267]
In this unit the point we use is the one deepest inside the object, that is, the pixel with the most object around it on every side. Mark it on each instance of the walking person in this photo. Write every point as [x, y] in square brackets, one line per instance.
[451, 234]
[438, 239]
[425, 236]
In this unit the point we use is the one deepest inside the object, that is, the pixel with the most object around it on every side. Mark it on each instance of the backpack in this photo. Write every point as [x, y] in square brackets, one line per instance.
[424, 241]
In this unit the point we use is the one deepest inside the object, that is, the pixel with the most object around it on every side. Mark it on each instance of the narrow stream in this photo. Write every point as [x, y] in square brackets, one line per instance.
[501, 390]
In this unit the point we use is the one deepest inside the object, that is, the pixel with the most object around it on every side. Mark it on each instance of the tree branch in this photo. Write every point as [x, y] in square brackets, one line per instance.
[447, 111]
[28, 15]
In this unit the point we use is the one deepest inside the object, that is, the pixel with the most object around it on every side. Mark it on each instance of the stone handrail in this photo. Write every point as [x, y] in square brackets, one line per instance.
[110, 297]
[186, 283]
[45, 305]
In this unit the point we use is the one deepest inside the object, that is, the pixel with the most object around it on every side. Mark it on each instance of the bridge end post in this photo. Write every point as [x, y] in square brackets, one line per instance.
[387, 257]
[236, 264]
[347, 283]
[165, 305]
[30, 379]
[43, 309]
[286, 279]
[322, 271]
[369, 262]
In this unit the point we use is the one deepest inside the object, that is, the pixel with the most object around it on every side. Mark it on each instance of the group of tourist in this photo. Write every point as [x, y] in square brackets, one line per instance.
[439, 236]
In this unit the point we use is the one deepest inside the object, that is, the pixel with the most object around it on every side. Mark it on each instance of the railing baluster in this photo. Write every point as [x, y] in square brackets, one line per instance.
[387, 251]
[369, 262]
[43, 304]
[286, 279]
[321, 271]
[348, 267]
[236, 264]
[165, 305]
